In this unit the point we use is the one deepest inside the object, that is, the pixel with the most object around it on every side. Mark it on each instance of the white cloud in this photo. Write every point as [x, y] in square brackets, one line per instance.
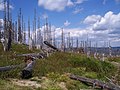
[66, 23]
[92, 19]
[110, 21]
[98, 29]
[59, 5]
[80, 1]
[53, 5]
[105, 27]
[77, 10]
[70, 3]
[76, 32]
[84, 33]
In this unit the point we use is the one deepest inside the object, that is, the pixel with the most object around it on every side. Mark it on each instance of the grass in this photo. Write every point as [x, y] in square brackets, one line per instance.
[56, 68]
[7, 85]
[73, 63]
[114, 59]
[9, 58]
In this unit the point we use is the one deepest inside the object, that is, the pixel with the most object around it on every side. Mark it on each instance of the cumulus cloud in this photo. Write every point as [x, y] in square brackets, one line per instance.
[105, 27]
[54, 5]
[100, 29]
[67, 23]
[77, 10]
[92, 19]
[109, 21]
[84, 33]
[59, 5]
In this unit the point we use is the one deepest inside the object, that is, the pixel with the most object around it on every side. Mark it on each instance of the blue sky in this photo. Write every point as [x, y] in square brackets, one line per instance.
[76, 16]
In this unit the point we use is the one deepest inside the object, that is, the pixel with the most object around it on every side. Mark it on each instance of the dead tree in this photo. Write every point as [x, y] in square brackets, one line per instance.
[22, 29]
[24, 34]
[49, 34]
[5, 41]
[62, 41]
[9, 35]
[95, 82]
[7, 27]
[19, 27]
[77, 43]
[30, 42]
[39, 36]
[54, 38]
[33, 35]
[46, 31]
[34, 26]
[69, 40]
[15, 32]
[72, 41]
[28, 30]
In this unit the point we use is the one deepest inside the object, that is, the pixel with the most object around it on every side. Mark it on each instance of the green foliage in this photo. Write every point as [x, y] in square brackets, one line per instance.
[78, 71]
[62, 81]
[57, 68]
[73, 63]
[93, 65]
[114, 59]
[91, 75]
[9, 58]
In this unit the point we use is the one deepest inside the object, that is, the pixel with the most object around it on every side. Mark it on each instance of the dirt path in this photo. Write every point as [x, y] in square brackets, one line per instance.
[27, 83]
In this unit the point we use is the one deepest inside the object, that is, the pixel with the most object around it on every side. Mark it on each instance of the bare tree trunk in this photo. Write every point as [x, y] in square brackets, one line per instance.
[15, 31]
[19, 27]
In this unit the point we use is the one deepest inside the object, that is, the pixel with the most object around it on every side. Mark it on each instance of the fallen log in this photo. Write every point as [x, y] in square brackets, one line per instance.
[38, 55]
[8, 68]
[95, 82]
[51, 46]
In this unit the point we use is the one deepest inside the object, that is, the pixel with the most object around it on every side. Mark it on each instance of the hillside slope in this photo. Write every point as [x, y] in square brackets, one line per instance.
[52, 72]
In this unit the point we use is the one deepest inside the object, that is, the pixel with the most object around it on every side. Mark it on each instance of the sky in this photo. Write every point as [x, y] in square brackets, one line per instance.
[95, 20]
